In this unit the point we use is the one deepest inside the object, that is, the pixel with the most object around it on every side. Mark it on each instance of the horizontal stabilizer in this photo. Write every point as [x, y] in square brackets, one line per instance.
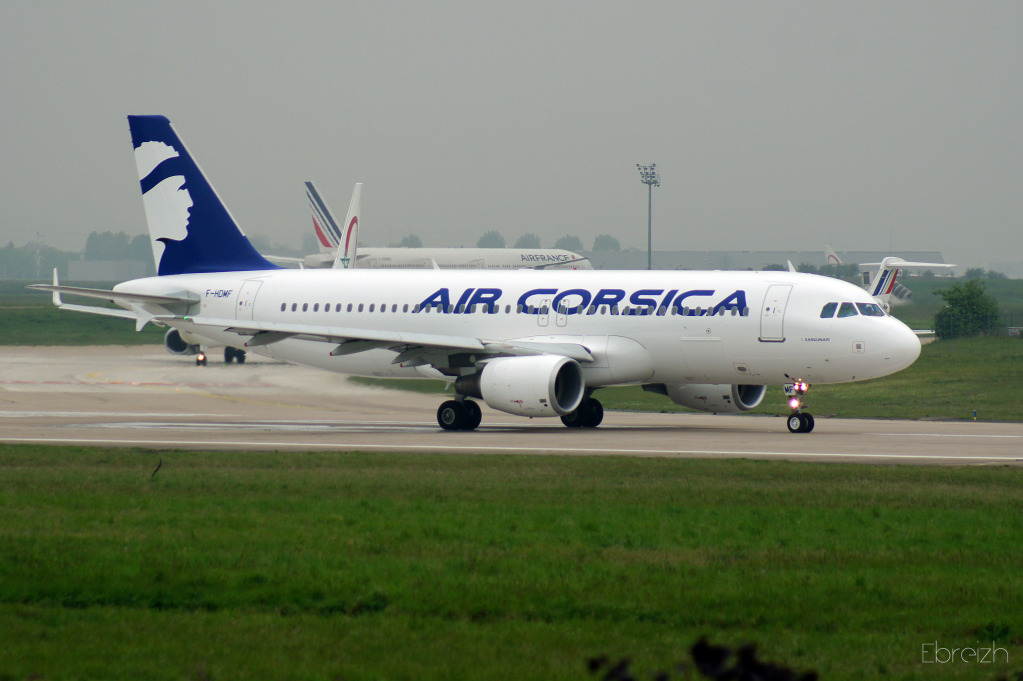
[115, 296]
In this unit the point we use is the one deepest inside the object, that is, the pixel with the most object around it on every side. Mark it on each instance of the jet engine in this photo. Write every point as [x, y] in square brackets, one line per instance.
[542, 385]
[181, 343]
[719, 399]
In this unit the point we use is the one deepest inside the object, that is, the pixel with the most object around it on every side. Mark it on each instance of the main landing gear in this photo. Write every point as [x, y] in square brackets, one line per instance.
[235, 354]
[588, 414]
[463, 414]
[459, 415]
[799, 421]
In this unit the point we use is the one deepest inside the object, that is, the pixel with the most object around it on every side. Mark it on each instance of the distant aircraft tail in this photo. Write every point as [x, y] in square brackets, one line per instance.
[190, 228]
[883, 285]
[347, 249]
[328, 233]
[343, 242]
[831, 257]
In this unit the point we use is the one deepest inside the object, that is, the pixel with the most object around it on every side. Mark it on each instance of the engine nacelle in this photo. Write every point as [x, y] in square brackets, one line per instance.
[717, 398]
[542, 385]
[181, 343]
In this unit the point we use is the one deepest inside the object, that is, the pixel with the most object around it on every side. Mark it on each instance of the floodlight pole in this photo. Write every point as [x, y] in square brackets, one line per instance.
[649, 176]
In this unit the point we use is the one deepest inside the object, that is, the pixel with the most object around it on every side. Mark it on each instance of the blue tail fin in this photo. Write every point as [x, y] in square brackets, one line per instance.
[190, 228]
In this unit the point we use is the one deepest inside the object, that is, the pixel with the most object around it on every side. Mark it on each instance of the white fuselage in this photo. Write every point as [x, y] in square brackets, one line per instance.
[457, 258]
[759, 328]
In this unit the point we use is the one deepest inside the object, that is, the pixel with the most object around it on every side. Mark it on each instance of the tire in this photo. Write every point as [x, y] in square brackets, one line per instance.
[229, 354]
[807, 422]
[239, 356]
[451, 415]
[593, 412]
[795, 423]
[573, 419]
[473, 415]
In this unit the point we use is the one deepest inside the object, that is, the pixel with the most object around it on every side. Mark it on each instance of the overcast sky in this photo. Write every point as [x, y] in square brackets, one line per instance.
[776, 125]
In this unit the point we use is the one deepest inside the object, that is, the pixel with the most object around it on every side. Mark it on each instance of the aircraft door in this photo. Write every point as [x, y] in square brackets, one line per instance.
[772, 317]
[544, 315]
[247, 299]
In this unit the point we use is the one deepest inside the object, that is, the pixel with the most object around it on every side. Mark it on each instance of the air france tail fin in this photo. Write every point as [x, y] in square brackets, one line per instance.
[883, 286]
[343, 242]
[190, 229]
[328, 233]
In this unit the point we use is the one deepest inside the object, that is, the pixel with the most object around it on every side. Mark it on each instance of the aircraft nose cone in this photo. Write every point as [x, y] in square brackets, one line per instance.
[903, 347]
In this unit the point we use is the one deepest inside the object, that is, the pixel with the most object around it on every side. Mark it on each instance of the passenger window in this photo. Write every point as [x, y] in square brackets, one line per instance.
[360, 307]
[847, 310]
[829, 310]
[870, 309]
[283, 306]
[316, 307]
[305, 307]
[294, 306]
[404, 308]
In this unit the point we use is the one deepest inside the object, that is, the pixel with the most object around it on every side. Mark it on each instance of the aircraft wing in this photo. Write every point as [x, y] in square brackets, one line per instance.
[352, 340]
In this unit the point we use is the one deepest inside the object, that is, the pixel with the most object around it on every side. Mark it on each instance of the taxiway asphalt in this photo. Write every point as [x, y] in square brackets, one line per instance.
[142, 396]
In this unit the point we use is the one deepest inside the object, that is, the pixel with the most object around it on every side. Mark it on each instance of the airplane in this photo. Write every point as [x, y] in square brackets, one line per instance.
[331, 236]
[883, 285]
[532, 343]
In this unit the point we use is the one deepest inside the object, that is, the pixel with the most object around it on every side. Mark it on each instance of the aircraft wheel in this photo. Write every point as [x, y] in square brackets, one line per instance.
[200, 359]
[800, 422]
[574, 418]
[228, 354]
[239, 355]
[473, 415]
[588, 414]
[593, 412]
[451, 415]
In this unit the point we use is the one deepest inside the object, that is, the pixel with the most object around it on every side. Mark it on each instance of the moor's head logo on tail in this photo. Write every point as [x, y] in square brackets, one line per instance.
[190, 228]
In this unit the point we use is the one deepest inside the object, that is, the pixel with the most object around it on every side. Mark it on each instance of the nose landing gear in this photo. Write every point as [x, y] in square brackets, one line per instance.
[799, 421]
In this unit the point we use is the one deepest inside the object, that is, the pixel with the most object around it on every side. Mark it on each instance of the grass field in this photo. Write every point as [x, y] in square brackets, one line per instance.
[29, 318]
[385, 566]
[919, 314]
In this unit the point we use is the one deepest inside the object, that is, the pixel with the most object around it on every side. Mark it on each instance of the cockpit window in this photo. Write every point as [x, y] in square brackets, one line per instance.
[847, 310]
[870, 309]
[829, 311]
